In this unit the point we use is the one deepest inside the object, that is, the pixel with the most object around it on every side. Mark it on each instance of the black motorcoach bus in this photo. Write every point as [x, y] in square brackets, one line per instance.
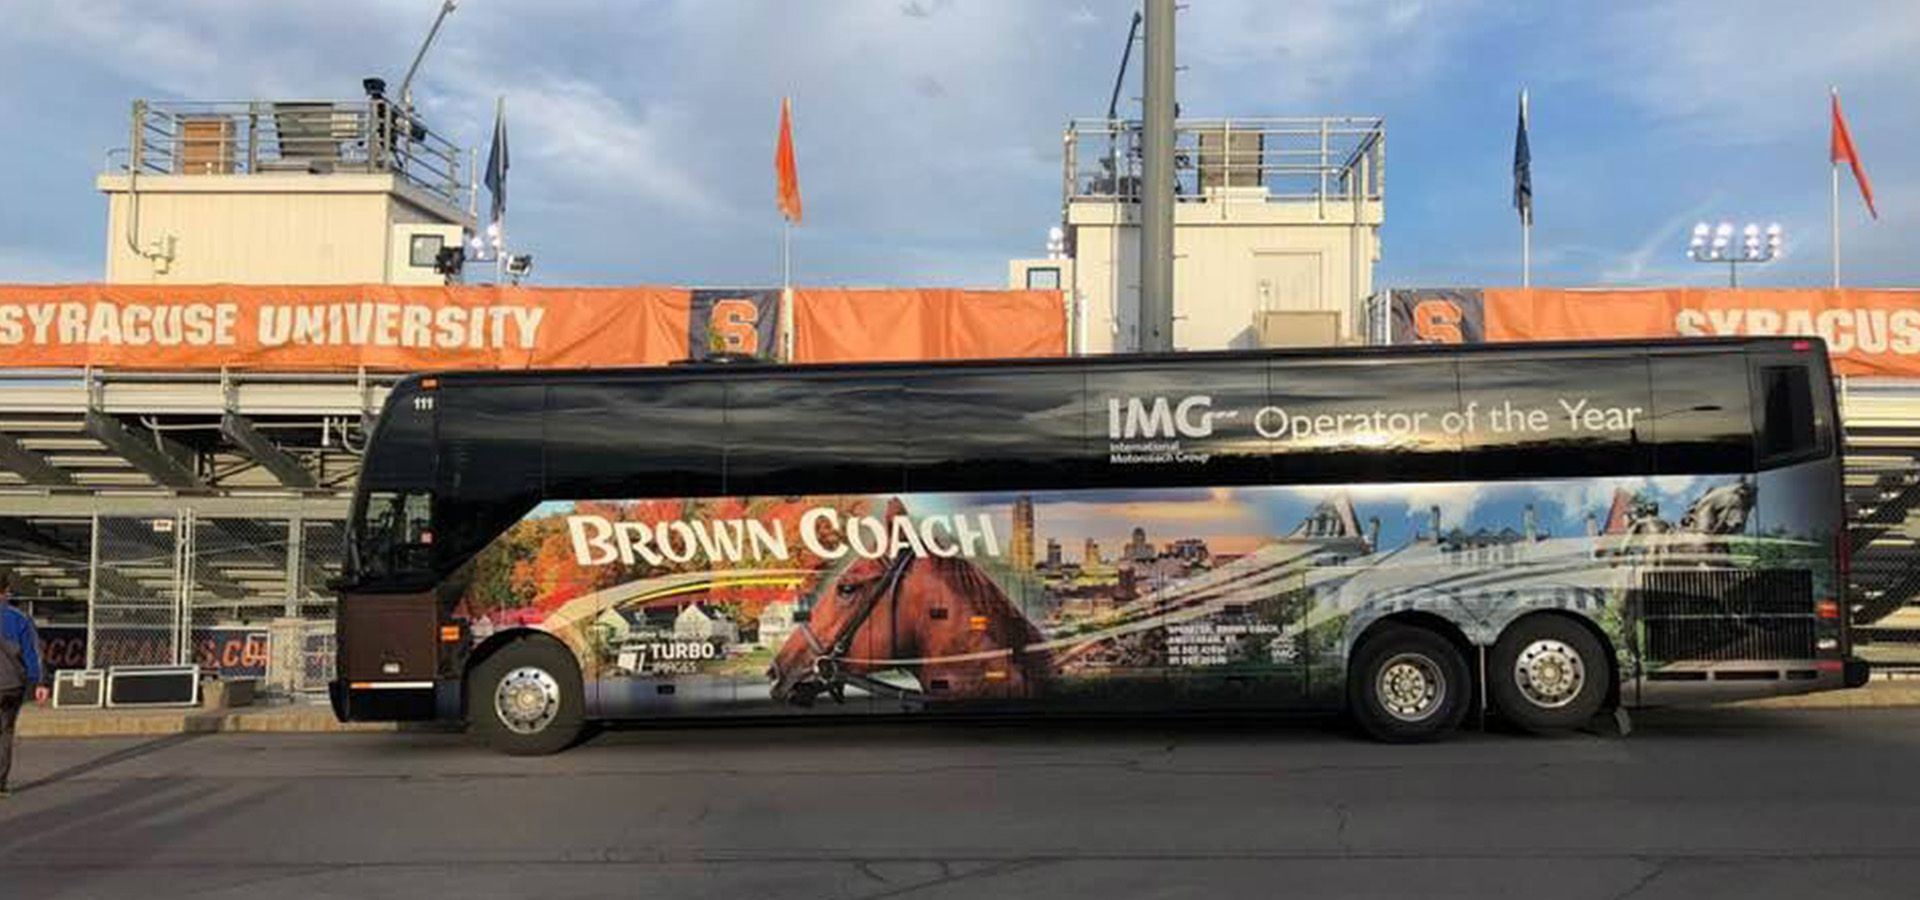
[1577, 526]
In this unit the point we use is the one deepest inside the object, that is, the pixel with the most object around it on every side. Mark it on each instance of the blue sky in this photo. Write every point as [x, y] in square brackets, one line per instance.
[928, 130]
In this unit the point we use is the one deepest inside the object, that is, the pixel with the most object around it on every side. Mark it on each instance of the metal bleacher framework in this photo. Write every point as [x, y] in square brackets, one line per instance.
[1882, 420]
[144, 505]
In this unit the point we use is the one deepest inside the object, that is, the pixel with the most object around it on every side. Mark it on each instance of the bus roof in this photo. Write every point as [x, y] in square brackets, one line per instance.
[751, 370]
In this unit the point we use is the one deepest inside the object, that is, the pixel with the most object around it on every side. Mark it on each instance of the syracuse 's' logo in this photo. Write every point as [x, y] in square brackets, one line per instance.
[734, 327]
[1158, 417]
[1438, 321]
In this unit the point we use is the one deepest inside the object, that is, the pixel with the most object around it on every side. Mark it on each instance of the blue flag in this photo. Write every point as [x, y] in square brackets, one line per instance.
[1523, 168]
[496, 178]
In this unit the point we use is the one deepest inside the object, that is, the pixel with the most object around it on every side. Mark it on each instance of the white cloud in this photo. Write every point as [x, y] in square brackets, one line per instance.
[1744, 71]
[1315, 51]
[589, 143]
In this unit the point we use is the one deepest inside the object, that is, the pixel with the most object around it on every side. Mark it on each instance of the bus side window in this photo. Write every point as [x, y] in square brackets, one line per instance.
[490, 467]
[1702, 420]
[1363, 421]
[998, 429]
[1557, 416]
[792, 436]
[1138, 414]
[631, 439]
[1788, 430]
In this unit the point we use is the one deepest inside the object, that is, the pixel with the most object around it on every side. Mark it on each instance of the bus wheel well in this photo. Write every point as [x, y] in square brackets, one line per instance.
[1439, 625]
[1608, 650]
[496, 642]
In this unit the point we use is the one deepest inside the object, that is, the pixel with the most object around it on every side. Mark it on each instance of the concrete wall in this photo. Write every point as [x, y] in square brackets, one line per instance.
[1233, 258]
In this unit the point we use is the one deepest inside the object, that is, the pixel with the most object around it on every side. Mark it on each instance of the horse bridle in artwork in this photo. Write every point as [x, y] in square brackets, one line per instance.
[828, 656]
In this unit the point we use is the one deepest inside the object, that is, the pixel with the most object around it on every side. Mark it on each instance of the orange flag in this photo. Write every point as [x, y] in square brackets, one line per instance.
[784, 167]
[1841, 150]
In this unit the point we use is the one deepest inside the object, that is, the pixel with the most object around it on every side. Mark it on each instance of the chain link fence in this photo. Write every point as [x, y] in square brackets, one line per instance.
[139, 590]
[242, 597]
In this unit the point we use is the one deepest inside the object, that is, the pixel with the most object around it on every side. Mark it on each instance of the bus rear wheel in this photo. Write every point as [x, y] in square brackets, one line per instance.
[1548, 673]
[526, 698]
[1407, 684]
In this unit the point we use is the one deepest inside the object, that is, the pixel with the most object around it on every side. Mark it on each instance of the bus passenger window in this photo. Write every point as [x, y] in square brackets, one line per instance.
[629, 439]
[1556, 416]
[1787, 427]
[793, 436]
[1363, 421]
[1702, 422]
[995, 429]
[1177, 424]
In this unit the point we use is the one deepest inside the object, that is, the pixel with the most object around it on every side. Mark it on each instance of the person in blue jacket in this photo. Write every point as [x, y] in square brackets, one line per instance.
[20, 669]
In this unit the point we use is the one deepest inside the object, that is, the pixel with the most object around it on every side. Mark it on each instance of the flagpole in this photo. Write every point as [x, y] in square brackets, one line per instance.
[1833, 169]
[1526, 211]
[1526, 253]
[786, 288]
[500, 241]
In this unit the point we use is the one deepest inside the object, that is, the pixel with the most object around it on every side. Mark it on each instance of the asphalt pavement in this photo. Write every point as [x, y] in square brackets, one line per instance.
[1740, 803]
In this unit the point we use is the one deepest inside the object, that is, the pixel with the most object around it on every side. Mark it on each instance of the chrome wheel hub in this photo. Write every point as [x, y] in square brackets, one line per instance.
[1410, 687]
[1549, 673]
[527, 700]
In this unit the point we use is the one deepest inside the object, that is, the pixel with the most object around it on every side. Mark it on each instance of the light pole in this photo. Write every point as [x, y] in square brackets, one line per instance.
[1714, 244]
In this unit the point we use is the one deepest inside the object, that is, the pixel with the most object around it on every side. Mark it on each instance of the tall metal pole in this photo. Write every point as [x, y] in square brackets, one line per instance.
[1833, 166]
[1526, 215]
[406, 84]
[1836, 222]
[1156, 206]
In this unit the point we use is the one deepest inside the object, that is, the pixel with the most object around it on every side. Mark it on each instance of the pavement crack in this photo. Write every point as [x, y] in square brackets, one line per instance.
[1340, 832]
[1658, 868]
[1012, 865]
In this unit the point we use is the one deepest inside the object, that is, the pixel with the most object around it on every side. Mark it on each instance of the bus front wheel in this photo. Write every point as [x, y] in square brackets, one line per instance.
[1548, 673]
[1407, 684]
[526, 698]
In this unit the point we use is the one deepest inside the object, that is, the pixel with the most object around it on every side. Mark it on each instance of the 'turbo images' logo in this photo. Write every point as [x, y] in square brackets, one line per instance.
[1136, 417]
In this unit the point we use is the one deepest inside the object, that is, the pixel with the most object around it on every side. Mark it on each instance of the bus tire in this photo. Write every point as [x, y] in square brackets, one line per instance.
[1548, 673]
[526, 698]
[1407, 684]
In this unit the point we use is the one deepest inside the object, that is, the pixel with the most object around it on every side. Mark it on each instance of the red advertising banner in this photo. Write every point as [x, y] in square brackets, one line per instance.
[849, 325]
[287, 328]
[383, 327]
[1869, 332]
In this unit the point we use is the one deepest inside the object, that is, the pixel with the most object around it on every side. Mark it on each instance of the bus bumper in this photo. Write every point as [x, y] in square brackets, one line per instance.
[392, 701]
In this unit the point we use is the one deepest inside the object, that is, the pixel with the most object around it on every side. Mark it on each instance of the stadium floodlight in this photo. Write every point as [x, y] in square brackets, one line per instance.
[1714, 244]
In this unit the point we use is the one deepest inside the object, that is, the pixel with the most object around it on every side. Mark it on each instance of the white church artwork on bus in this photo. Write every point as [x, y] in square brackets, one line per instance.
[900, 602]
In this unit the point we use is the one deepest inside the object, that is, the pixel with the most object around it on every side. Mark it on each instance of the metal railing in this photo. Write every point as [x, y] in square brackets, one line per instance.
[264, 137]
[1307, 159]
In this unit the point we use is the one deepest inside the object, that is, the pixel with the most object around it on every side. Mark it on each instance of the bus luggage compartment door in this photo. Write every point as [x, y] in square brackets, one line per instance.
[388, 656]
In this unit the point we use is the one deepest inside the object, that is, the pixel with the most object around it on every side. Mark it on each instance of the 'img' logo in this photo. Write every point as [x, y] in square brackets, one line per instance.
[1158, 417]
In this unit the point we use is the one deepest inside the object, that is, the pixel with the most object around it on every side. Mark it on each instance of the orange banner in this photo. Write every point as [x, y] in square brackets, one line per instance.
[847, 325]
[340, 327]
[1869, 332]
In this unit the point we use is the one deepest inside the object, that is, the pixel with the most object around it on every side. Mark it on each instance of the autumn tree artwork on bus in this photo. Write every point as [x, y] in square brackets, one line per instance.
[981, 597]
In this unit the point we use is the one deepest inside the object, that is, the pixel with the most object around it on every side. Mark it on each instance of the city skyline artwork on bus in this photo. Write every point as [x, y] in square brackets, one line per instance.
[781, 604]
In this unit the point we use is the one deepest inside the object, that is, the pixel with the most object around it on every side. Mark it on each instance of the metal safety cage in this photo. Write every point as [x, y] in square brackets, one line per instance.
[1326, 160]
[266, 137]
